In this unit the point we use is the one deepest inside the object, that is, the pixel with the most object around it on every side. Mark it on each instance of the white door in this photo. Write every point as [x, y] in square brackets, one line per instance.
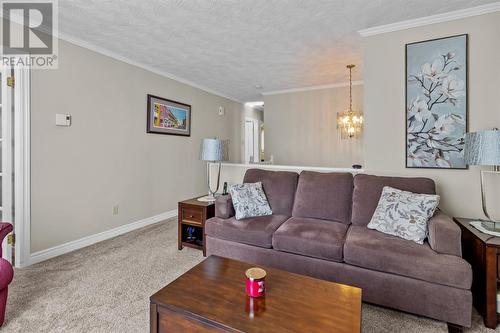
[249, 141]
[252, 136]
[6, 145]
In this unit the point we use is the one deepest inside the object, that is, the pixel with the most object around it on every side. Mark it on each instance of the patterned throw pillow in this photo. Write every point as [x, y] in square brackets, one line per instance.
[404, 214]
[249, 200]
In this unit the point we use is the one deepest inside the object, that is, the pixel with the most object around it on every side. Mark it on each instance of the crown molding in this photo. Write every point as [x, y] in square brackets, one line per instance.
[319, 87]
[438, 18]
[92, 47]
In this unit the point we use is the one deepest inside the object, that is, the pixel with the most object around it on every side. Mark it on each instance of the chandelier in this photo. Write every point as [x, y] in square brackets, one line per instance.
[349, 122]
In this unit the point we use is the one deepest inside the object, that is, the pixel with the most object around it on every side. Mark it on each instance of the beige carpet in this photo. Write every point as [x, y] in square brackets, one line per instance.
[106, 288]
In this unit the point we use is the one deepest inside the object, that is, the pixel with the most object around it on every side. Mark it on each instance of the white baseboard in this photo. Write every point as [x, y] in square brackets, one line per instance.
[89, 240]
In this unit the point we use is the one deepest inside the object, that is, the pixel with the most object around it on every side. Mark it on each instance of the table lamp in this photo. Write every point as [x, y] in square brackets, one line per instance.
[483, 148]
[213, 150]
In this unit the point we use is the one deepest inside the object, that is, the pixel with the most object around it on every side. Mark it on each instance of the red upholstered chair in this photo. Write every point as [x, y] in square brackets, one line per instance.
[6, 272]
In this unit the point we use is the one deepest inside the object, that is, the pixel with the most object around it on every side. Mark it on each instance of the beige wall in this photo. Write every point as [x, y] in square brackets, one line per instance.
[106, 157]
[384, 104]
[301, 128]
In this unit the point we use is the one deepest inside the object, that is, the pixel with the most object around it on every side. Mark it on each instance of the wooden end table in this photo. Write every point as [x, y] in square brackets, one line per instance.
[211, 298]
[482, 251]
[193, 214]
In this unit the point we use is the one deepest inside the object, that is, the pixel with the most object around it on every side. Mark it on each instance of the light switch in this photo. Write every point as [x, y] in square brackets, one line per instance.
[222, 111]
[63, 119]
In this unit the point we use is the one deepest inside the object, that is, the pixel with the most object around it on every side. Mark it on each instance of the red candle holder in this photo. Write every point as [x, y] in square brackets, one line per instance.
[255, 282]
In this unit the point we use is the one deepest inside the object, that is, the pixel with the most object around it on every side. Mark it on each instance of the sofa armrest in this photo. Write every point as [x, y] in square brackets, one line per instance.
[6, 273]
[445, 235]
[224, 207]
[5, 229]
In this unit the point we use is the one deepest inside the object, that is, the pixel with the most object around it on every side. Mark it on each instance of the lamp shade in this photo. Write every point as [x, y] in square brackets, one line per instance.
[214, 150]
[482, 148]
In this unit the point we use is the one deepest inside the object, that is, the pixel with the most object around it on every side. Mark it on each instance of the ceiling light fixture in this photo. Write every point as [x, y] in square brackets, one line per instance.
[254, 104]
[349, 122]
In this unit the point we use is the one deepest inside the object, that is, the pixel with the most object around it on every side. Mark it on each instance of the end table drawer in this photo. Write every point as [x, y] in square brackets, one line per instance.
[192, 215]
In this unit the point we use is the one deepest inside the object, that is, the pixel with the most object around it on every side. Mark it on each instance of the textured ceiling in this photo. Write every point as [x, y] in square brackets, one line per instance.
[229, 46]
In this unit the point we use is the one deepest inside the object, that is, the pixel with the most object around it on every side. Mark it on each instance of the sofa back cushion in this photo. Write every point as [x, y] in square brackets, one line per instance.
[279, 187]
[368, 189]
[326, 196]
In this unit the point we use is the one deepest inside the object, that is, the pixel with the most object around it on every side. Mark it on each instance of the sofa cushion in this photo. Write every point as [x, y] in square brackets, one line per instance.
[279, 187]
[256, 231]
[368, 188]
[385, 253]
[311, 237]
[326, 196]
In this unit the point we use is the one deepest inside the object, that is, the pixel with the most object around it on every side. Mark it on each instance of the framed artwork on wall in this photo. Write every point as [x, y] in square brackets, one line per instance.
[436, 103]
[165, 116]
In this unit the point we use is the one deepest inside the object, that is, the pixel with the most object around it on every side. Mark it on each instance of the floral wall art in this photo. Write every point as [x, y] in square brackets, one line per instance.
[436, 103]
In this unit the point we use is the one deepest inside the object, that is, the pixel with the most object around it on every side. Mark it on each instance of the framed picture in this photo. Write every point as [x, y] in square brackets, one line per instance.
[168, 117]
[436, 103]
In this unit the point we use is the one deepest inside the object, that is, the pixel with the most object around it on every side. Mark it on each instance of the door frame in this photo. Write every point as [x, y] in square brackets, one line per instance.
[22, 166]
[7, 158]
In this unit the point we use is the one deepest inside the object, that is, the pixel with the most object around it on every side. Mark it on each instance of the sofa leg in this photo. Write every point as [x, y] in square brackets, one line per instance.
[454, 328]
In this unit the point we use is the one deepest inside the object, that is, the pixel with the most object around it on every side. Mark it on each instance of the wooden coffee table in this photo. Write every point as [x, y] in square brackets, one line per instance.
[211, 297]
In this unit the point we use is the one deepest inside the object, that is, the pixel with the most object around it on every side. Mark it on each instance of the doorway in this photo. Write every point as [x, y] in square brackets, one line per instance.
[7, 157]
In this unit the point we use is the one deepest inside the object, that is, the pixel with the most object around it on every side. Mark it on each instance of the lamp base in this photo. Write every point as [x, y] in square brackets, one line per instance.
[483, 191]
[207, 198]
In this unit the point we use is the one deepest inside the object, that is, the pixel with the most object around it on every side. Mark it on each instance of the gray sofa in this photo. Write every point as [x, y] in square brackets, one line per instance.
[318, 228]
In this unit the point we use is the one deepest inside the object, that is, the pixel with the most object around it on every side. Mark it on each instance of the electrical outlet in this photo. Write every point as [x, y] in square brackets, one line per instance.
[115, 209]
